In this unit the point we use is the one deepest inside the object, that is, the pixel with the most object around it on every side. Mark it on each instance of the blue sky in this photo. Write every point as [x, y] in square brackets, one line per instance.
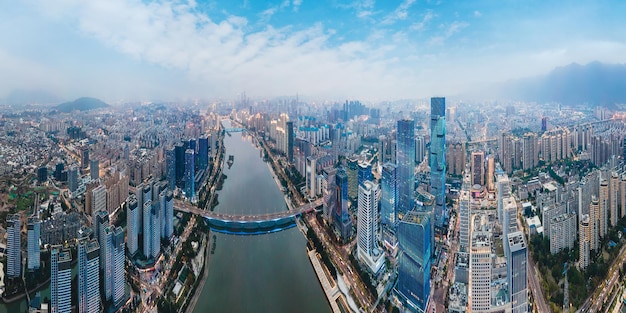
[324, 49]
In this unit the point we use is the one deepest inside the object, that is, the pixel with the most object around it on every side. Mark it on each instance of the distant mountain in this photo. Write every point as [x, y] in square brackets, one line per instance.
[81, 104]
[594, 84]
[19, 97]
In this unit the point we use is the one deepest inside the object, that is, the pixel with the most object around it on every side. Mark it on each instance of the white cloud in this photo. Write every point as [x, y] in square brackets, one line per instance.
[400, 13]
[296, 5]
[452, 29]
[425, 20]
[227, 58]
[477, 14]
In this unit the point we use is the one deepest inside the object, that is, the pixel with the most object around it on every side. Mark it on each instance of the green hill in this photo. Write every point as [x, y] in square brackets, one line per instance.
[81, 104]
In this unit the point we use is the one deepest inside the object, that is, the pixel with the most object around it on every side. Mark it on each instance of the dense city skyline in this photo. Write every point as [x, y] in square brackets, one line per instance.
[131, 50]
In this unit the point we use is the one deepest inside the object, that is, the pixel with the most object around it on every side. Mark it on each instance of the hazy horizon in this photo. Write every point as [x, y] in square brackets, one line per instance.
[144, 50]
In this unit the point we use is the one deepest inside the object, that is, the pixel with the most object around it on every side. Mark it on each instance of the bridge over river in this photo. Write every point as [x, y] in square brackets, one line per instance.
[248, 224]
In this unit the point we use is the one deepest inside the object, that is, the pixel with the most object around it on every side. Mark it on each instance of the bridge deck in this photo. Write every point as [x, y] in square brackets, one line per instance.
[238, 218]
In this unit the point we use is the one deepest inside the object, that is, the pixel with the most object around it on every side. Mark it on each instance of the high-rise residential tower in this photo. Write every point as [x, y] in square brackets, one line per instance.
[367, 227]
[88, 276]
[438, 158]
[60, 280]
[132, 225]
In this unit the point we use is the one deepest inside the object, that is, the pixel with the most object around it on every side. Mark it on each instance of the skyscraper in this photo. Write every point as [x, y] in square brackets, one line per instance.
[584, 231]
[84, 156]
[367, 227]
[117, 265]
[34, 231]
[203, 153]
[343, 222]
[72, 178]
[517, 272]
[614, 196]
[147, 229]
[389, 198]
[190, 175]
[60, 280]
[594, 224]
[414, 233]
[420, 149]
[98, 199]
[289, 134]
[438, 158]
[365, 173]
[478, 168]
[168, 215]
[14, 245]
[88, 276]
[94, 169]
[480, 269]
[106, 245]
[170, 167]
[132, 225]
[101, 222]
[155, 229]
[179, 151]
[603, 199]
[405, 157]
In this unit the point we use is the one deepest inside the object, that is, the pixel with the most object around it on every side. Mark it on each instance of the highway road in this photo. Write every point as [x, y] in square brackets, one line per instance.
[534, 283]
[595, 302]
[340, 259]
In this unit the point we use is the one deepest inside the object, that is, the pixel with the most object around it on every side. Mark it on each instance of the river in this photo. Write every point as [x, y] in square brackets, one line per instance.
[260, 273]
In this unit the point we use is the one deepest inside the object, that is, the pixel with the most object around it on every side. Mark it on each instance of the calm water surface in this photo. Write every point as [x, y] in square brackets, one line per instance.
[262, 273]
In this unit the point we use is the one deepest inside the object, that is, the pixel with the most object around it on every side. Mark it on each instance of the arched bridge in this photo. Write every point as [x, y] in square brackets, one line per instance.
[248, 224]
[234, 130]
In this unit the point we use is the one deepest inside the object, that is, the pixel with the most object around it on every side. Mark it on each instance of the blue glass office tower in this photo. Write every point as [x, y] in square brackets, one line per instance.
[203, 153]
[365, 173]
[170, 168]
[405, 158]
[343, 222]
[389, 198]
[438, 158]
[414, 233]
[190, 175]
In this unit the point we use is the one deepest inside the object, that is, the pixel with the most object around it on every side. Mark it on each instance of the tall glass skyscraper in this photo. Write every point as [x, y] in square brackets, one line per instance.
[365, 173]
[190, 176]
[405, 158]
[88, 276]
[343, 222]
[60, 280]
[34, 227]
[14, 246]
[389, 198]
[517, 260]
[438, 158]
[414, 233]
[203, 153]
[170, 167]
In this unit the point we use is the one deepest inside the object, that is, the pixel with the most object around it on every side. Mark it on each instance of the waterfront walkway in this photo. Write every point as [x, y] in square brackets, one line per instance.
[331, 291]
